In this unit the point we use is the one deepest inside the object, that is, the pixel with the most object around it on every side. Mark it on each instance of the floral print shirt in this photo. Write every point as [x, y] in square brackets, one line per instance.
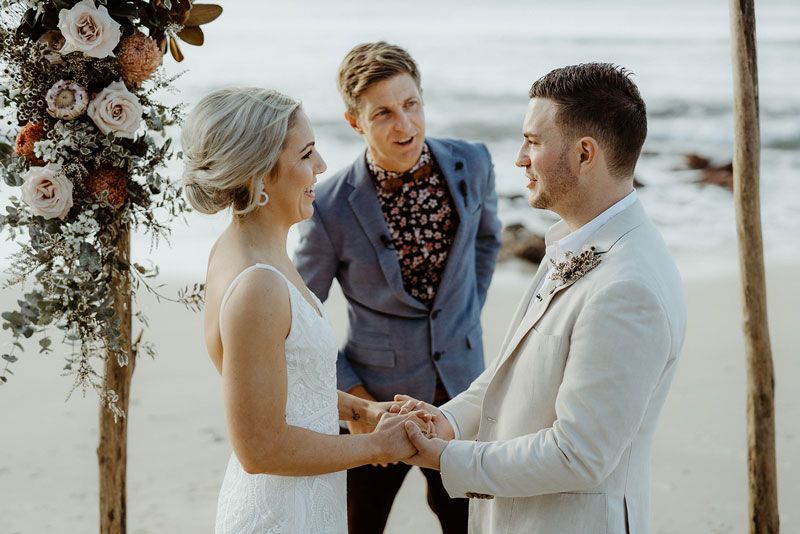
[422, 220]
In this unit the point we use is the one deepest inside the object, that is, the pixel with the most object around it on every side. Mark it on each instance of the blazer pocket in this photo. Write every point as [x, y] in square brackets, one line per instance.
[475, 337]
[370, 356]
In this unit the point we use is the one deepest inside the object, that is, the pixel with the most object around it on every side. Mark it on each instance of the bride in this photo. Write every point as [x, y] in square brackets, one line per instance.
[252, 150]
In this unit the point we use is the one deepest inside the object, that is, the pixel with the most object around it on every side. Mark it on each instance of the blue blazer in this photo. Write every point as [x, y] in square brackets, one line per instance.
[394, 342]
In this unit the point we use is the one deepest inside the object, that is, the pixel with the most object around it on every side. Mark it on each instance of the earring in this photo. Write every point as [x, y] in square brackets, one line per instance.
[263, 198]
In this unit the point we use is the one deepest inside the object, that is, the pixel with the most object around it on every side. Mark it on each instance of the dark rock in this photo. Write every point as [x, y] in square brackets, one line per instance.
[519, 242]
[696, 162]
[721, 176]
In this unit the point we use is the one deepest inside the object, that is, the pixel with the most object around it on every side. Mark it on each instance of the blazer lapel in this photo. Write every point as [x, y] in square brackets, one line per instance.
[603, 240]
[455, 173]
[364, 203]
[524, 304]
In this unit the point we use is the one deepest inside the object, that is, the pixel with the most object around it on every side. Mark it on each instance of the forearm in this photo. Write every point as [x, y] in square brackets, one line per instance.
[297, 451]
[356, 408]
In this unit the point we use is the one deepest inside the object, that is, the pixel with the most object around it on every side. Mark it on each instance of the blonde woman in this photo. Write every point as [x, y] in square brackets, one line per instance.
[252, 150]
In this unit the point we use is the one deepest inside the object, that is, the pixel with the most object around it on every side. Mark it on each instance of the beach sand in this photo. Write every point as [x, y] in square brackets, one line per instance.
[178, 447]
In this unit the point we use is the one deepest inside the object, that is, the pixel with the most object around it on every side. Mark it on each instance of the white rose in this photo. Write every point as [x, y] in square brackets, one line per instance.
[115, 109]
[88, 29]
[47, 191]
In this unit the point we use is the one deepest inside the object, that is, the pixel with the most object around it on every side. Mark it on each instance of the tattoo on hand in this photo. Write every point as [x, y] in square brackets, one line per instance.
[356, 415]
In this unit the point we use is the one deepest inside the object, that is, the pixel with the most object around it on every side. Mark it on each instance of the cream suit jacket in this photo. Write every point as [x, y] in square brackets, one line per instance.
[556, 434]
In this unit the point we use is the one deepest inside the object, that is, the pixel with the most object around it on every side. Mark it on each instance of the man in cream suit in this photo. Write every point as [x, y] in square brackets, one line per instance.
[555, 436]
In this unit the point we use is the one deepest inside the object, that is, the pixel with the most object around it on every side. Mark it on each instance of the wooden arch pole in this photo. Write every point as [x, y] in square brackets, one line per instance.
[112, 451]
[763, 490]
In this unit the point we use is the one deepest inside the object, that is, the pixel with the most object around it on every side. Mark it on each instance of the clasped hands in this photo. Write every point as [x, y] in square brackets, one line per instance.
[427, 430]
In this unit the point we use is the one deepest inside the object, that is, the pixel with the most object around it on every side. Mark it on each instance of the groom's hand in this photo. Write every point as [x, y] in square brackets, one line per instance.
[442, 427]
[429, 450]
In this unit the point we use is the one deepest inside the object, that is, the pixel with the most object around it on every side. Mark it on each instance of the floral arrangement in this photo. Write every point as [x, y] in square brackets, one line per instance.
[82, 145]
[574, 266]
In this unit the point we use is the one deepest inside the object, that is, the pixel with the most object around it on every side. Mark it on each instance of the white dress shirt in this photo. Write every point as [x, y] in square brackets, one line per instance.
[558, 241]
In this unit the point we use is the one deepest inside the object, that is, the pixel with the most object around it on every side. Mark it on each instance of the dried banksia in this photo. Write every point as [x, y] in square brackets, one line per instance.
[109, 184]
[27, 137]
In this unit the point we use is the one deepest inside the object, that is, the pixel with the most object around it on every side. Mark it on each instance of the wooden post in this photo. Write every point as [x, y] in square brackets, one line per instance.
[763, 494]
[112, 452]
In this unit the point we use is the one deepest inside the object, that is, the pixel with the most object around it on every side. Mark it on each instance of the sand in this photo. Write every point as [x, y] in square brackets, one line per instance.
[178, 446]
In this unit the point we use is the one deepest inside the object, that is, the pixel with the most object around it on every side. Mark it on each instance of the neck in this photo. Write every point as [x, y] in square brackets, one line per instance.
[585, 207]
[395, 166]
[263, 234]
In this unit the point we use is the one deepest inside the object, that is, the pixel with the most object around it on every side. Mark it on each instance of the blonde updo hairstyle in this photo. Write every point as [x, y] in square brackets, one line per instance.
[231, 142]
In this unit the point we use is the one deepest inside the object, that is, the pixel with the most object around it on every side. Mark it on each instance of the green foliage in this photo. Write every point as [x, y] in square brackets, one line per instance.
[72, 267]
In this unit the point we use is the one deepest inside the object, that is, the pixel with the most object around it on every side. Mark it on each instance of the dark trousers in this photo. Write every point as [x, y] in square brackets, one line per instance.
[371, 492]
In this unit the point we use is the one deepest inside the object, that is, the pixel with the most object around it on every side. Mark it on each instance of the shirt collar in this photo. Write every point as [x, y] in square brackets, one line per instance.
[558, 239]
[382, 174]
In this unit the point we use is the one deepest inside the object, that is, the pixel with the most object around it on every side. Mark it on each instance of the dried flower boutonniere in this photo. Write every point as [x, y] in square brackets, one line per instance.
[574, 266]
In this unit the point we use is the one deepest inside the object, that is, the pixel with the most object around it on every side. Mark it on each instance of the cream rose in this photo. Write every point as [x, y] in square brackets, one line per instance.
[88, 29]
[47, 191]
[115, 109]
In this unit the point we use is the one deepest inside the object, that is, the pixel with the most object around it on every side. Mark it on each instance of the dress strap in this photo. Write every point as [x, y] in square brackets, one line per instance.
[236, 281]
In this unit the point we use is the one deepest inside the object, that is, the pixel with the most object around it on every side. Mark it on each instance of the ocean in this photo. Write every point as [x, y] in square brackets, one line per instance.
[478, 60]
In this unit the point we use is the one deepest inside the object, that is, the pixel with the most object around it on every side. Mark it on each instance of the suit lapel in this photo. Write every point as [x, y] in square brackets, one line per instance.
[603, 240]
[524, 304]
[364, 203]
[455, 173]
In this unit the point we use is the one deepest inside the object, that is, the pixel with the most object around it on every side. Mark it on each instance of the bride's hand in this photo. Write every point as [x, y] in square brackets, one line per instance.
[393, 438]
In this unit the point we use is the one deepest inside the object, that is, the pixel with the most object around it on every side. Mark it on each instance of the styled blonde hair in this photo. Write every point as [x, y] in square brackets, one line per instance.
[369, 63]
[231, 141]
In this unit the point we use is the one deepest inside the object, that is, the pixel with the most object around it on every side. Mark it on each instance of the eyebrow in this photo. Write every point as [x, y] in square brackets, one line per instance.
[529, 135]
[312, 143]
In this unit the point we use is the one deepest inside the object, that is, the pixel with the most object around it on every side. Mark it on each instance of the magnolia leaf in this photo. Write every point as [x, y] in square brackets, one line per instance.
[192, 35]
[203, 14]
[175, 50]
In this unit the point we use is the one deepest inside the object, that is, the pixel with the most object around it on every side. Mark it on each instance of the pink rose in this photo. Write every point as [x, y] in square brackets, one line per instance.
[47, 191]
[88, 29]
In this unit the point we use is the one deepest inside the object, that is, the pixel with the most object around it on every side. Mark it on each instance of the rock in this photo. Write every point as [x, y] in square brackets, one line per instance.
[519, 242]
[721, 176]
[696, 162]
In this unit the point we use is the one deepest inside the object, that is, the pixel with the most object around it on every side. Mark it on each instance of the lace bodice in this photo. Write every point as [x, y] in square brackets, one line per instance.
[281, 504]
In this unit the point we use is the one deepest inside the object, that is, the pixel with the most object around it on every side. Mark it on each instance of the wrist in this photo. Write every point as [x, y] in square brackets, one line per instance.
[377, 447]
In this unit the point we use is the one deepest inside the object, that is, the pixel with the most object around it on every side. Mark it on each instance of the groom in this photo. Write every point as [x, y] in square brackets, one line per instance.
[410, 231]
[555, 437]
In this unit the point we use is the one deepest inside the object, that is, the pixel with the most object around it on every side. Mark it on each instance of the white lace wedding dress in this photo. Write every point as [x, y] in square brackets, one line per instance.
[285, 504]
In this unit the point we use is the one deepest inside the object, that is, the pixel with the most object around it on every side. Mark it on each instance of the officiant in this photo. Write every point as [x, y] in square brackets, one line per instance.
[410, 232]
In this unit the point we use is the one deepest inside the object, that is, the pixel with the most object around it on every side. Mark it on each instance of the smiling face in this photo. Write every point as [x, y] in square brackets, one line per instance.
[392, 120]
[292, 191]
[545, 156]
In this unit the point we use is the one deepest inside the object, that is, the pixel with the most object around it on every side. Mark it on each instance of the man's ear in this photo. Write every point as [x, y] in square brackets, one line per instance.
[352, 120]
[589, 152]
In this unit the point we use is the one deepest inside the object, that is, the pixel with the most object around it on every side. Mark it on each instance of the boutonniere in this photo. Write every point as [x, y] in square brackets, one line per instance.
[574, 266]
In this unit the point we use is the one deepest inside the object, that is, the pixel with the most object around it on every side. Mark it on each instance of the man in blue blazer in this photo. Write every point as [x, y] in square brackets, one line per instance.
[410, 231]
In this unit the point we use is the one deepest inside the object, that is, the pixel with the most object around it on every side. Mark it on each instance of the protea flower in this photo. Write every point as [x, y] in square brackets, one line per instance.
[66, 100]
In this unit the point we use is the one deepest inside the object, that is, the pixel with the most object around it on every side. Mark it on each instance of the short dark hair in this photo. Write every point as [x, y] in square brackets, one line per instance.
[369, 63]
[601, 101]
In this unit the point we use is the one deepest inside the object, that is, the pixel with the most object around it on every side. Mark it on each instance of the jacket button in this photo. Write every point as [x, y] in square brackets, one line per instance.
[435, 314]
[437, 356]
